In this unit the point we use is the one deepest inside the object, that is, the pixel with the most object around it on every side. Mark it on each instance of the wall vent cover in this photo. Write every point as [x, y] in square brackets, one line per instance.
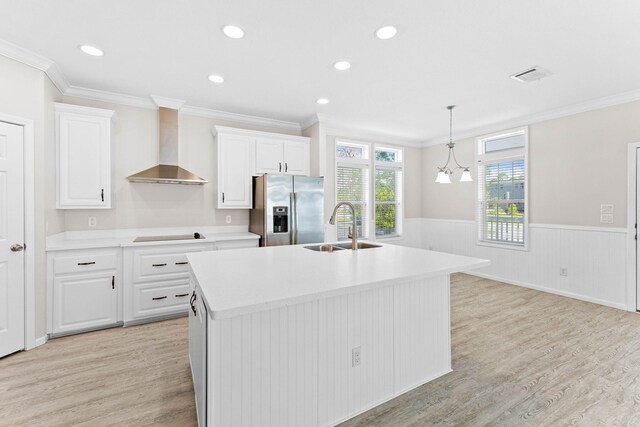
[531, 74]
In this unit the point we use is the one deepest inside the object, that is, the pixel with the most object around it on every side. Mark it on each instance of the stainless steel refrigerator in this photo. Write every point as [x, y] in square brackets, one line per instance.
[287, 210]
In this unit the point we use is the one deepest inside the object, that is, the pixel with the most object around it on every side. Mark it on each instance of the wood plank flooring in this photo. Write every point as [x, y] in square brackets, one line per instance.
[135, 376]
[520, 358]
[526, 358]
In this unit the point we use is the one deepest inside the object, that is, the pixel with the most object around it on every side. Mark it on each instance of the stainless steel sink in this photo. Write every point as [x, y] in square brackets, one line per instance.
[324, 248]
[331, 247]
[360, 245]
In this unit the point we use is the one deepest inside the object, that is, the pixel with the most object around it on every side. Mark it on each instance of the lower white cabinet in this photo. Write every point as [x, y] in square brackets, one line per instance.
[84, 290]
[156, 281]
[97, 288]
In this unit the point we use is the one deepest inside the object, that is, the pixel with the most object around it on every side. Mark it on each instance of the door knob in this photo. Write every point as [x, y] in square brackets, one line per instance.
[17, 247]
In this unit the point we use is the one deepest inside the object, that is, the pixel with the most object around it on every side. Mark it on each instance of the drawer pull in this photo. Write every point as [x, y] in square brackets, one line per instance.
[181, 295]
[159, 265]
[87, 263]
[157, 298]
[182, 263]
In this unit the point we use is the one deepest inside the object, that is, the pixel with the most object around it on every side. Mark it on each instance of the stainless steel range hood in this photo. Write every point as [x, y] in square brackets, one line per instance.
[168, 171]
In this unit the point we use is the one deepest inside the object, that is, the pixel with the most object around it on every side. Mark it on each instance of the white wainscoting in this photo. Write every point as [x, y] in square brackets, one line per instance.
[595, 257]
[292, 366]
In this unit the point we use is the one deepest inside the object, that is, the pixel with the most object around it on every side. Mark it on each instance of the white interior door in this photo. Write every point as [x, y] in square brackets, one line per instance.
[11, 239]
[637, 212]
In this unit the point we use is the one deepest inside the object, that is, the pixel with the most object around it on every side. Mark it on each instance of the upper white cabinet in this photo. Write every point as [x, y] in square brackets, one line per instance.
[243, 153]
[235, 165]
[278, 156]
[83, 146]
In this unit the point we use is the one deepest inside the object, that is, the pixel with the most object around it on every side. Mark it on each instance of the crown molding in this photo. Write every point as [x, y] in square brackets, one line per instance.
[312, 120]
[338, 128]
[174, 104]
[240, 118]
[25, 56]
[582, 107]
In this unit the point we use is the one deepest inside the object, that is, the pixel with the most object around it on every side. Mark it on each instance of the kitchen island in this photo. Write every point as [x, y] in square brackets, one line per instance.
[287, 336]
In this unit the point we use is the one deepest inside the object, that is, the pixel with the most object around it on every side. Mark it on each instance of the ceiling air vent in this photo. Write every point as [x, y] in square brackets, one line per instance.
[531, 74]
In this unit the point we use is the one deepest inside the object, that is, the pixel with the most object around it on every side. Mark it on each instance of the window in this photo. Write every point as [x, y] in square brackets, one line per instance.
[388, 192]
[355, 170]
[502, 188]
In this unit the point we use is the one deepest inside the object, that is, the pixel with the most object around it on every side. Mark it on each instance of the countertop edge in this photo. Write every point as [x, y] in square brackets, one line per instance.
[217, 314]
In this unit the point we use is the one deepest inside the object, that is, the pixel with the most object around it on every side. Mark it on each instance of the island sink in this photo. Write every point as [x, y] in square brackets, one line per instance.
[332, 247]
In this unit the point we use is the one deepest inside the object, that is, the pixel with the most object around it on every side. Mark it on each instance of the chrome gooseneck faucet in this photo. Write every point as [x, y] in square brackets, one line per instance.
[354, 233]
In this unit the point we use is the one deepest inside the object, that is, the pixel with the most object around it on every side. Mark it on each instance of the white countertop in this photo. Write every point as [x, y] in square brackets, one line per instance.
[124, 237]
[249, 280]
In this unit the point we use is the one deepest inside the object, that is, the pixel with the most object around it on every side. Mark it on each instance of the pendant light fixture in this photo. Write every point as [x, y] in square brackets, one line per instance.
[445, 172]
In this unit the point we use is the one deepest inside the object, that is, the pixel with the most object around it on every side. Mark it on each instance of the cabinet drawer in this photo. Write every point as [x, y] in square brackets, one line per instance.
[156, 299]
[84, 263]
[236, 244]
[162, 264]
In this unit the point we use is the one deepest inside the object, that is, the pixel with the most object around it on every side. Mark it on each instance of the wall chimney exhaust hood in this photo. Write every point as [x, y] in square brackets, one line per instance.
[168, 171]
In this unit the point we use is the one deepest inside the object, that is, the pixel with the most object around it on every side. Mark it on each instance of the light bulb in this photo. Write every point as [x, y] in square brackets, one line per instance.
[446, 179]
[440, 177]
[466, 176]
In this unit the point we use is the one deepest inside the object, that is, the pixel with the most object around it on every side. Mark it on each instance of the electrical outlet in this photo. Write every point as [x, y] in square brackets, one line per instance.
[355, 357]
[606, 209]
[564, 271]
[93, 221]
[228, 219]
[606, 218]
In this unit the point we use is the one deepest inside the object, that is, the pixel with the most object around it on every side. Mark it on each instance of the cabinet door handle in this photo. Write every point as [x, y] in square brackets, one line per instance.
[182, 263]
[223, 197]
[102, 194]
[181, 295]
[158, 265]
[279, 166]
[157, 298]
[113, 282]
[192, 300]
[286, 166]
[87, 263]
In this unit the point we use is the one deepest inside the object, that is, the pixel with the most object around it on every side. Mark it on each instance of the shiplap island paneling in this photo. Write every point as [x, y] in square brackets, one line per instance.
[288, 361]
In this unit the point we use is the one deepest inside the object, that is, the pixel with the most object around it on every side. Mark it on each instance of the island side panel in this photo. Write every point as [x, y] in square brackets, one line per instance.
[361, 320]
[422, 332]
[263, 368]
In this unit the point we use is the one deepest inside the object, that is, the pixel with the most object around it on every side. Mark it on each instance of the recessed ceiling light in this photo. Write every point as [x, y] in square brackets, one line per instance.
[386, 33]
[342, 65]
[233, 32]
[322, 101]
[91, 50]
[216, 78]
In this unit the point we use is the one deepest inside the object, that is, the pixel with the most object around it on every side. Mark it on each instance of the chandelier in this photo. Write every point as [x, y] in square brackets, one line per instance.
[445, 172]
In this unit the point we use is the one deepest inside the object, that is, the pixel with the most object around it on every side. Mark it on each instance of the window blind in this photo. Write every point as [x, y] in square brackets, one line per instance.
[502, 202]
[352, 185]
[388, 203]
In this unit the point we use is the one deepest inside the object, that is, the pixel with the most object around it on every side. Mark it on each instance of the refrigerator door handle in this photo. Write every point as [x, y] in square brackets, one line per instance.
[295, 218]
[292, 215]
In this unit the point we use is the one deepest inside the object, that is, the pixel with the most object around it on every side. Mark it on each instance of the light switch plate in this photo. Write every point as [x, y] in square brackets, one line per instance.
[606, 218]
[606, 209]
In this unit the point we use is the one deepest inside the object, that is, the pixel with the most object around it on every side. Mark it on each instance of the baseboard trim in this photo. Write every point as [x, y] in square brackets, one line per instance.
[37, 342]
[549, 290]
[154, 319]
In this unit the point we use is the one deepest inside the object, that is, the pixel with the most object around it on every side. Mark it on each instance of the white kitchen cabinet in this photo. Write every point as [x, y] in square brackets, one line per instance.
[281, 156]
[83, 147]
[235, 170]
[84, 290]
[156, 281]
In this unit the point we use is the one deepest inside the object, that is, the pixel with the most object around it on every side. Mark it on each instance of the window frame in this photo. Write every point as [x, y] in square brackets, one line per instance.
[371, 163]
[501, 156]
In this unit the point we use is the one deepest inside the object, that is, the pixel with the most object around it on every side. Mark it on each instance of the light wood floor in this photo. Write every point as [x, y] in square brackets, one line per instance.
[520, 358]
[135, 376]
[526, 358]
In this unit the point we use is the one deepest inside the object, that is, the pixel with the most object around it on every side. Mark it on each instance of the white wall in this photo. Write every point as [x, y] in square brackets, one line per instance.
[576, 163]
[23, 95]
[138, 205]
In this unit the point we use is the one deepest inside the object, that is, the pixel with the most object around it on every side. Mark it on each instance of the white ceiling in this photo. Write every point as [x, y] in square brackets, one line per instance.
[448, 52]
